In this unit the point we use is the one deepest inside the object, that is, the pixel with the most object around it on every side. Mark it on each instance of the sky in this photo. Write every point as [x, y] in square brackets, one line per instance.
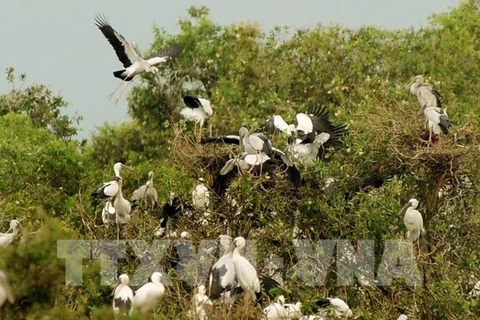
[56, 43]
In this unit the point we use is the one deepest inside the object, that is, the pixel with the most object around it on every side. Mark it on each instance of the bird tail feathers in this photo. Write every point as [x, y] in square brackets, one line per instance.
[119, 74]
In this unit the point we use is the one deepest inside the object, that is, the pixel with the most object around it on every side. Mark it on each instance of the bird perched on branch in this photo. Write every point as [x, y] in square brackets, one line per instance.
[133, 63]
[413, 222]
[197, 110]
[313, 135]
[437, 119]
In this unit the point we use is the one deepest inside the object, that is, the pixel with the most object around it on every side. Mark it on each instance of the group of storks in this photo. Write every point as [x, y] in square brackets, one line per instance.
[232, 274]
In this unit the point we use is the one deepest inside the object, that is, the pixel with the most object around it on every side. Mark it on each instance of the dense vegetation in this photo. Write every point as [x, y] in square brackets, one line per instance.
[360, 75]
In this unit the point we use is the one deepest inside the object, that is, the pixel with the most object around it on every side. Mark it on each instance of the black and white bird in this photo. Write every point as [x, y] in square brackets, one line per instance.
[7, 238]
[313, 135]
[197, 110]
[108, 190]
[147, 296]
[437, 120]
[413, 222]
[251, 158]
[5, 290]
[133, 63]
[146, 194]
[171, 211]
[222, 274]
[122, 297]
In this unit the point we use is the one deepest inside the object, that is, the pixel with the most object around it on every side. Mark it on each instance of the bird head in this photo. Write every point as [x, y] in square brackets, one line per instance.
[239, 242]
[413, 203]
[281, 299]
[124, 279]
[201, 289]
[224, 241]
[14, 225]
[156, 277]
[242, 132]
[150, 175]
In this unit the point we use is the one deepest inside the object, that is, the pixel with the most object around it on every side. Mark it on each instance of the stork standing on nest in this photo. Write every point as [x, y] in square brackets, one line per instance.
[133, 63]
[430, 101]
[122, 207]
[146, 193]
[197, 110]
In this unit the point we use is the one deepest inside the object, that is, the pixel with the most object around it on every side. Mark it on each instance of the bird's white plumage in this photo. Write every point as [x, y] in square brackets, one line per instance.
[276, 310]
[294, 310]
[122, 296]
[5, 290]
[201, 301]
[7, 238]
[224, 269]
[122, 206]
[307, 153]
[147, 192]
[433, 117]
[147, 296]
[200, 114]
[413, 221]
[304, 123]
[245, 272]
[424, 92]
[402, 317]
[201, 196]
[108, 212]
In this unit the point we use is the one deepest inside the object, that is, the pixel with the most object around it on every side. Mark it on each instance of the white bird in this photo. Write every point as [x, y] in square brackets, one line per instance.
[430, 102]
[475, 292]
[7, 238]
[413, 221]
[197, 110]
[108, 213]
[146, 193]
[340, 308]
[133, 63]
[109, 189]
[245, 272]
[122, 207]
[122, 297]
[201, 301]
[312, 136]
[294, 311]
[201, 199]
[147, 296]
[222, 274]
[276, 310]
[402, 317]
[5, 290]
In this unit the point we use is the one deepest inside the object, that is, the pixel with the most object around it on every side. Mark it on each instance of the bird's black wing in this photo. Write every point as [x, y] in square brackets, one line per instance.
[102, 23]
[321, 123]
[438, 97]
[230, 139]
[123, 305]
[293, 173]
[267, 145]
[98, 192]
[192, 102]
[216, 289]
[444, 121]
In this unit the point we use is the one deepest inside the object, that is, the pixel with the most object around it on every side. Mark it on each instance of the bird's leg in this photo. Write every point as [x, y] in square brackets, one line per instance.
[118, 233]
[124, 88]
[429, 138]
[111, 94]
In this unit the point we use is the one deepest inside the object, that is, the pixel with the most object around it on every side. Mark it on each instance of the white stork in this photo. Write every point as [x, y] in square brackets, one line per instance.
[197, 110]
[276, 310]
[133, 63]
[146, 193]
[109, 189]
[222, 274]
[122, 297]
[430, 101]
[147, 296]
[5, 290]
[413, 221]
[7, 238]
[402, 317]
[122, 207]
[201, 199]
[201, 301]
[246, 273]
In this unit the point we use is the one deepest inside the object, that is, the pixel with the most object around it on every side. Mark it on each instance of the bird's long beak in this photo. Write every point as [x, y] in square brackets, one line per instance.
[409, 84]
[421, 109]
[404, 207]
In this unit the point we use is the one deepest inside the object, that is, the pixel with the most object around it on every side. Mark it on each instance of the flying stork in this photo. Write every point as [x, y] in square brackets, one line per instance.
[133, 63]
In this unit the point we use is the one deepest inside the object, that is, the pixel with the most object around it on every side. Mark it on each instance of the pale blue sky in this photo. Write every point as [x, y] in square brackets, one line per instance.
[55, 42]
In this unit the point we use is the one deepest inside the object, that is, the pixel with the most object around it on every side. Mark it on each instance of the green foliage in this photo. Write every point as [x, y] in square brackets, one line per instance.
[38, 102]
[360, 75]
